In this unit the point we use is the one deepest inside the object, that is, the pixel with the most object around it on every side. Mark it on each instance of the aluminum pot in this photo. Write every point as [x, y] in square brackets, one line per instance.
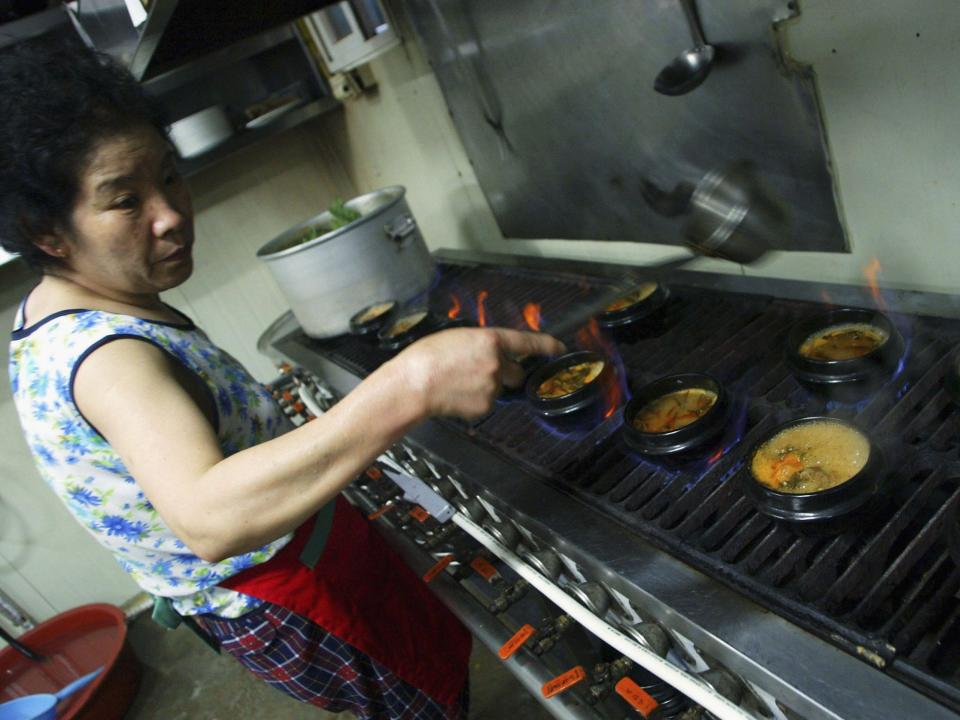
[329, 278]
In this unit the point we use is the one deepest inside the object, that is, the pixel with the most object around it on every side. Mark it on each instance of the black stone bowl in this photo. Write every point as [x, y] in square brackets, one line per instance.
[844, 380]
[528, 365]
[445, 323]
[840, 508]
[688, 439]
[426, 326]
[580, 401]
[634, 321]
[370, 328]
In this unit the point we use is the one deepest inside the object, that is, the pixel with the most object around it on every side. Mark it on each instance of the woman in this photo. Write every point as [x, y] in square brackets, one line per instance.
[170, 454]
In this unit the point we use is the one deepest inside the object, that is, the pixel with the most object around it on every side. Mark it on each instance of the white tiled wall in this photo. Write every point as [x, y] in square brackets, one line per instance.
[890, 101]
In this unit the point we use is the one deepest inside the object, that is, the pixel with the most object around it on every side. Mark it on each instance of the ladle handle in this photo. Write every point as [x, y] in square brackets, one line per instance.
[690, 10]
[78, 684]
[20, 647]
[581, 316]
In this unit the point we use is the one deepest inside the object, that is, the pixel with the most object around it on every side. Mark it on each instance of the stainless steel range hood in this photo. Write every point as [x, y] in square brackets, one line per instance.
[177, 31]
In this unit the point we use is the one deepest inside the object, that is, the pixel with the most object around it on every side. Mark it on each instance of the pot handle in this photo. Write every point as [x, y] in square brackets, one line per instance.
[400, 228]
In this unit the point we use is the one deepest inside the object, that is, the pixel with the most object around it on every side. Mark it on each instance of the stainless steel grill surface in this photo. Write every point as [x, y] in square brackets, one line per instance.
[884, 593]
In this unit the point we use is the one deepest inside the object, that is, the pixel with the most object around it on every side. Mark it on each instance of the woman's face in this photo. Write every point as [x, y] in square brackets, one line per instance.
[132, 223]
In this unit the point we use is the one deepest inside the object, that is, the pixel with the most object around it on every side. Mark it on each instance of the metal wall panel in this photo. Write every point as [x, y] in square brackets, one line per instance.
[555, 104]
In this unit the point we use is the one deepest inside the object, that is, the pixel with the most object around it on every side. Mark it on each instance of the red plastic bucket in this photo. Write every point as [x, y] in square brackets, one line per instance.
[75, 643]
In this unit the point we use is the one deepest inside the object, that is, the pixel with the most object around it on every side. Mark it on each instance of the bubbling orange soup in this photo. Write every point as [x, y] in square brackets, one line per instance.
[569, 380]
[810, 457]
[633, 297]
[405, 323]
[375, 311]
[674, 410]
[843, 342]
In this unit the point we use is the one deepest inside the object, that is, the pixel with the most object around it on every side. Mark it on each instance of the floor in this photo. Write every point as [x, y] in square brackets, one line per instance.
[185, 680]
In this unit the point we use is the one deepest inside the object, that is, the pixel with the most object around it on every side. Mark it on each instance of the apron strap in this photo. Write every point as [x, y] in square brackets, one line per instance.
[166, 616]
[313, 549]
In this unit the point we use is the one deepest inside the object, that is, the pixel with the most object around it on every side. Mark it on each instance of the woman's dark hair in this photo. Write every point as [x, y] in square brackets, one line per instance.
[57, 101]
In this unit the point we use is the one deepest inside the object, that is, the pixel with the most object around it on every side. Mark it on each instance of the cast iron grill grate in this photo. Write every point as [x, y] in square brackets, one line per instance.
[888, 594]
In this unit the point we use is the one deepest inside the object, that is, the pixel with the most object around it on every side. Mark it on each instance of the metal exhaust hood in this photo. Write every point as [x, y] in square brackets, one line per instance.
[177, 31]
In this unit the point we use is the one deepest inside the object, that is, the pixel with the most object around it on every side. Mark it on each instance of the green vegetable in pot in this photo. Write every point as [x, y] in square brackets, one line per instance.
[342, 215]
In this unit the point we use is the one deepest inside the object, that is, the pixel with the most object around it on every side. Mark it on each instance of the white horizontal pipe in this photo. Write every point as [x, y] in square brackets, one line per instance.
[692, 687]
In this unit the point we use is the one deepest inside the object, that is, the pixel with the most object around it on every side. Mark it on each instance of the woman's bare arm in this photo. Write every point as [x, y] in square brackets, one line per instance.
[221, 507]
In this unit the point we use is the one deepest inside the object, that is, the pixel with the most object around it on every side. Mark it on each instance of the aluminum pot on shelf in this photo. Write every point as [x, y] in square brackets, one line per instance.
[200, 132]
[327, 275]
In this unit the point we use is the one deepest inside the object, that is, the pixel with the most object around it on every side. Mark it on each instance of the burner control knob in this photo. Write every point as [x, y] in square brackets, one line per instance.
[650, 635]
[546, 562]
[472, 508]
[444, 487]
[420, 469]
[725, 684]
[505, 532]
[593, 595]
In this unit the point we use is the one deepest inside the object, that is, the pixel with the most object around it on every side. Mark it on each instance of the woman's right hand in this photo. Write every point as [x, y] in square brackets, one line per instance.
[460, 372]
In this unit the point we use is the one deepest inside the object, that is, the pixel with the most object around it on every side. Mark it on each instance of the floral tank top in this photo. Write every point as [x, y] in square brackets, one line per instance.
[91, 479]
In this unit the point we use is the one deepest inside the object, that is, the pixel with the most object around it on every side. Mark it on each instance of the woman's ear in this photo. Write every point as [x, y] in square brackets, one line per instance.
[52, 245]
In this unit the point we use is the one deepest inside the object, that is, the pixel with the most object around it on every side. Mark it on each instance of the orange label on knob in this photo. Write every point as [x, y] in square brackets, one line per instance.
[562, 682]
[516, 642]
[437, 568]
[377, 513]
[638, 698]
[419, 513]
[373, 472]
[483, 567]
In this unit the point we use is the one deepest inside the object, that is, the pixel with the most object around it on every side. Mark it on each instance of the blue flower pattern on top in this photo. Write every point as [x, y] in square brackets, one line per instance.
[93, 481]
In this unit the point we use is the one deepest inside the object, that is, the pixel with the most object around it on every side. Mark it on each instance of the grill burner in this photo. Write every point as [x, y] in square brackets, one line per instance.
[888, 594]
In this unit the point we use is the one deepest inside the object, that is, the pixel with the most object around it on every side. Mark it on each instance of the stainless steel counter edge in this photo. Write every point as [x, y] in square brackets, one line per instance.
[531, 673]
[897, 300]
[806, 673]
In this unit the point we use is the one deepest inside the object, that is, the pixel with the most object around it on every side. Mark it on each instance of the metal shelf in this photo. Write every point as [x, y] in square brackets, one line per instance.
[34, 25]
[177, 32]
[245, 137]
[242, 50]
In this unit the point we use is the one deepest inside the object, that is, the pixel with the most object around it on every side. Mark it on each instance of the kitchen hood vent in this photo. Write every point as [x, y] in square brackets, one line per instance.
[178, 31]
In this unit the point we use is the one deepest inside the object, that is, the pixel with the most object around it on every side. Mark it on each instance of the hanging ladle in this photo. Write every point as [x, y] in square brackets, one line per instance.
[728, 214]
[691, 67]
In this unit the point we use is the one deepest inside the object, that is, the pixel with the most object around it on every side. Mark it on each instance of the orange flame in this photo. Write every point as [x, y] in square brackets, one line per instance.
[716, 456]
[531, 314]
[870, 272]
[589, 337]
[454, 311]
[481, 308]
